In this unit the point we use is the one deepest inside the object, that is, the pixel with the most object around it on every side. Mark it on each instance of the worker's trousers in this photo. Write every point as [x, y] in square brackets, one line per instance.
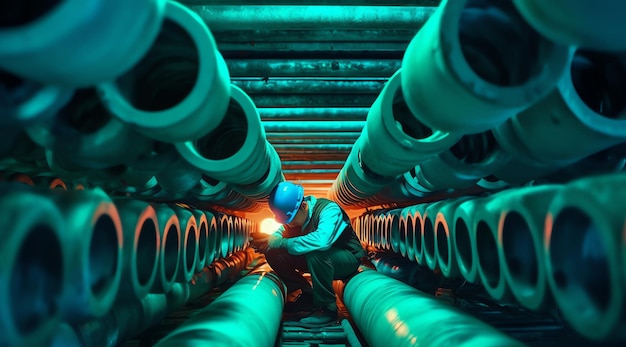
[324, 267]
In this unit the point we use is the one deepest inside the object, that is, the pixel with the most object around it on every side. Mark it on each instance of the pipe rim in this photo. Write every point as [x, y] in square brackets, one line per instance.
[463, 240]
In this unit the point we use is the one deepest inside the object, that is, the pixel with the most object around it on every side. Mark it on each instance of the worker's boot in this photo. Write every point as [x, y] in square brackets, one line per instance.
[321, 316]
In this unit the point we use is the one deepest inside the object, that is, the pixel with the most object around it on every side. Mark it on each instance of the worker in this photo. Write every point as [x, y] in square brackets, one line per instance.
[315, 237]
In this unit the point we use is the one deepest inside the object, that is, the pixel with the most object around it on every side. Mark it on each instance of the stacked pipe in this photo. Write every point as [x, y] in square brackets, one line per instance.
[124, 125]
[435, 113]
[92, 256]
[543, 246]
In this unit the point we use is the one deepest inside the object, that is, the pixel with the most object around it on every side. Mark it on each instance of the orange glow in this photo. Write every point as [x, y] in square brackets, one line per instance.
[269, 226]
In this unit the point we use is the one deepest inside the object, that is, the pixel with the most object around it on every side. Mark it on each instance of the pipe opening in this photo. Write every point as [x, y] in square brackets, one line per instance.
[225, 235]
[16, 13]
[229, 136]
[600, 81]
[418, 238]
[202, 241]
[442, 243]
[429, 237]
[166, 74]
[403, 226]
[213, 240]
[487, 249]
[36, 283]
[405, 120]
[104, 251]
[579, 260]
[519, 251]
[190, 249]
[147, 247]
[475, 148]
[84, 113]
[463, 244]
[171, 247]
[499, 45]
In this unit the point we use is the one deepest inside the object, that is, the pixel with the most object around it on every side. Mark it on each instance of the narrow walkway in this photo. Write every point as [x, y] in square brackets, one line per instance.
[335, 335]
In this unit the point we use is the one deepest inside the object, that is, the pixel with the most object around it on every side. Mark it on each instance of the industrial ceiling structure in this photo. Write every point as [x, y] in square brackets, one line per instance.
[479, 147]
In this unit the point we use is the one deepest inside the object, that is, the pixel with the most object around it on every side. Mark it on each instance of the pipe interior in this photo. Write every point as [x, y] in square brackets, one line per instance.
[410, 234]
[171, 248]
[229, 136]
[600, 81]
[36, 281]
[147, 248]
[475, 148]
[406, 120]
[519, 251]
[463, 244]
[85, 112]
[499, 45]
[443, 243]
[579, 259]
[418, 238]
[16, 13]
[166, 74]
[487, 249]
[190, 249]
[104, 251]
[213, 240]
[225, 236]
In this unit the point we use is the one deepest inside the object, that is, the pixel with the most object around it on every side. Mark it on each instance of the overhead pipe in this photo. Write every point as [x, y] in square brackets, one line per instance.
[274, 175]
[313, 67]
[259, 17]
[189, 243]
[309, 85]
[463, 164]
[35, 257]
[95, 260]
[313, 126]
[170, 250]
[446, 256]
[40, 42]
[587, 114]
[85, 135]
[180, 88]
[396, 139]
[479, 54]
[26, 102]
[235, 150]
[582, 248]
[578, 23]
[313, 113]
[521, 237]
[257, 298]
[142, 244]
[390, 313]
[178, 179]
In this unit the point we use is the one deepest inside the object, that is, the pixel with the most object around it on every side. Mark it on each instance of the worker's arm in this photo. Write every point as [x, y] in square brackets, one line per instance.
[329, 229]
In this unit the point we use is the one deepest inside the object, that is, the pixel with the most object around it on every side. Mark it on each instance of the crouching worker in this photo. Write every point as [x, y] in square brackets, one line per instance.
[316, 237]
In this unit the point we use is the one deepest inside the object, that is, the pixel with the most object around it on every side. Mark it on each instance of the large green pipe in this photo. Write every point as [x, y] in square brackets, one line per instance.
[390, 313]
[429, 233]
[521, 239]
[34, 267]
[446, 256]
[583, 234]
[171, 248]
[180, 89]
[142, 244]
[453, 57]
[592, 25]
[587, 114]
[40, 41]
[247, 314]
[258, 17]
[189, 243]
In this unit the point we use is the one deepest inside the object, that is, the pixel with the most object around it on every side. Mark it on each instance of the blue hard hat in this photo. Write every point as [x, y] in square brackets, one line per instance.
[285, 200]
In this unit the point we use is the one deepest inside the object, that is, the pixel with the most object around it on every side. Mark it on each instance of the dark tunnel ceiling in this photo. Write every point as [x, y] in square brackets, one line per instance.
[313, 76]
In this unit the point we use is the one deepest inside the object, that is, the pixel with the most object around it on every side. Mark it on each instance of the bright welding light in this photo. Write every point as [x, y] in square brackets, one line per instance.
[269, 226]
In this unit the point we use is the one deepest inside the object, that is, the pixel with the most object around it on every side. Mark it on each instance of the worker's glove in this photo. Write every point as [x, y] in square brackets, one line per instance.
[263, 242]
